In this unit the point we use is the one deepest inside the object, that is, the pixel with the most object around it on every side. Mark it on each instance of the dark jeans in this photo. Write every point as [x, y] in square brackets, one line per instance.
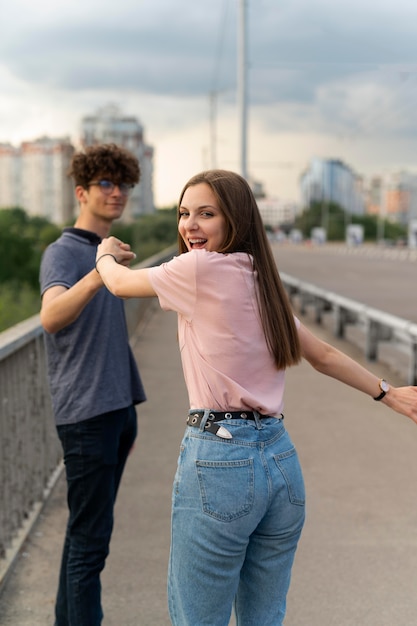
[95, 453]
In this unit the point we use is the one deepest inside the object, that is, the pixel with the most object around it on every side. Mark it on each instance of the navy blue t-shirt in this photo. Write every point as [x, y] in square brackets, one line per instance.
[91, 368]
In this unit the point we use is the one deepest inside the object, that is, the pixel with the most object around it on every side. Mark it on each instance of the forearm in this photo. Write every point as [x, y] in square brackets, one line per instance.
[400, 399]
[331, 362]
[338, 365]
[120, 280]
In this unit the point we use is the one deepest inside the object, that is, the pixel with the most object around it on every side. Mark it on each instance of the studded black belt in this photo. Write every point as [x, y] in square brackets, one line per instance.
[195, 417]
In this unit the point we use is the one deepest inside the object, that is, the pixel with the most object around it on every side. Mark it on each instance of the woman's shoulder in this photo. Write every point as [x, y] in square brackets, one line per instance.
[227, 258]
[204, 260]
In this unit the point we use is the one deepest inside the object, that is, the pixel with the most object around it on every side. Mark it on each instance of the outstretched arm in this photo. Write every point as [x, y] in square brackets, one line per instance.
[330, 361]
[120, 280]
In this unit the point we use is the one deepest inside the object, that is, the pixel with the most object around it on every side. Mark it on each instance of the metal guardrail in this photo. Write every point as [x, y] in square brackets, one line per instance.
[377, 326]
[30, 452]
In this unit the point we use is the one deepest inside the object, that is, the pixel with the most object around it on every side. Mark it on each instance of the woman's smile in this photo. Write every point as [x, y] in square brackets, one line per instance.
[201, 222]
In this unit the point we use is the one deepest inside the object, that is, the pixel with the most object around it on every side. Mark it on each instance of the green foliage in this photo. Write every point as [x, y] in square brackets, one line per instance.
[23, 240]
[326, 215]
[152, 233]
[335, 219]
[373, 228]
[395, 231]
[18, 302]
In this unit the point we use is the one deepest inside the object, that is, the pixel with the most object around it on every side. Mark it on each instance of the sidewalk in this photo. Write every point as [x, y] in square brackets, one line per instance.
[358, 555]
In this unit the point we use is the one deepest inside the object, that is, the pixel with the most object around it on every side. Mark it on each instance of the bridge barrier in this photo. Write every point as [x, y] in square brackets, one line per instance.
[378, 327]
[30, 451]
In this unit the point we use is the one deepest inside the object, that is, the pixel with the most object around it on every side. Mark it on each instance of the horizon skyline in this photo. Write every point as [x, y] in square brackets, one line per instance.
[76, 142]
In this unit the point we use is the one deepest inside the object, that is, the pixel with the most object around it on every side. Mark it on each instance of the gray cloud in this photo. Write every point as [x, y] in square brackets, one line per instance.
[319, 63]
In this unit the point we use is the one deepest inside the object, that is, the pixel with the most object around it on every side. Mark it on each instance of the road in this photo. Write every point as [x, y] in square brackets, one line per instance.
[382, 278]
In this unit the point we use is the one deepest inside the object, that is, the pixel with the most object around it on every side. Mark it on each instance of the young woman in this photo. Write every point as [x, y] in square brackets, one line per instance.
[238, 496]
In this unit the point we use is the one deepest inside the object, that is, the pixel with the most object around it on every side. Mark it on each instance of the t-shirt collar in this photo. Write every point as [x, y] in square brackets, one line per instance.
[87, 234]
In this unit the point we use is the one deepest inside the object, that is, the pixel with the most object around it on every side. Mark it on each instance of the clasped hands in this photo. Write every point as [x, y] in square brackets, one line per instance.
[119, 250]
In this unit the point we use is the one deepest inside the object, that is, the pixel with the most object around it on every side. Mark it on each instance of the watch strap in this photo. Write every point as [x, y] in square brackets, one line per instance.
[381, 395]
[384, 387]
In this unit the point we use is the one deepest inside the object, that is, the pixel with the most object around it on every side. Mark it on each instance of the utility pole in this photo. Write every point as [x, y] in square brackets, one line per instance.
[213, 130]
[242, 86]
[382, 210]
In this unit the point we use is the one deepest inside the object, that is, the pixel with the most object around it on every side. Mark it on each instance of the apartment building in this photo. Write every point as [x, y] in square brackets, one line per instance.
[393, 197]
[275, 212]
[108, 125]
[10, 187]
[46, 189]
[34, 177]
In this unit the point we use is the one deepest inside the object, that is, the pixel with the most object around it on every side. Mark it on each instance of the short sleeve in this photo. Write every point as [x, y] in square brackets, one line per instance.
[175, 284]
[58, 267]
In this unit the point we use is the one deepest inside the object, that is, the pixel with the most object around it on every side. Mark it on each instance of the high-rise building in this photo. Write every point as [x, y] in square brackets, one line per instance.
[393, 197]
[400, 201]
[331, 180]
[108, 125]
[46, 188]
[34, 177]
[10, 188]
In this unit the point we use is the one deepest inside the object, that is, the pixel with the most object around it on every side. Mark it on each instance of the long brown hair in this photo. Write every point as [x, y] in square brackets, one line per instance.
[245, 232]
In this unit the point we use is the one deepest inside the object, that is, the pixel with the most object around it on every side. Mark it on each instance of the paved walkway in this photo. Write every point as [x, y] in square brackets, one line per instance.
[357, 561]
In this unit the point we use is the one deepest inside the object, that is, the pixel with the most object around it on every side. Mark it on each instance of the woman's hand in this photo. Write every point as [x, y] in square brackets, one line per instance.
[119, 279]
[116, 248]
[403, 400]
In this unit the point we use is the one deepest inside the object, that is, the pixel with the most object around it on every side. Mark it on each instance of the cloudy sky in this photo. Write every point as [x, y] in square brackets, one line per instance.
[327, 79]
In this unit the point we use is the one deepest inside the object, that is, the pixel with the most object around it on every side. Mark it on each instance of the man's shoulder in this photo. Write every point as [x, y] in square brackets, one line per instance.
[69, 241]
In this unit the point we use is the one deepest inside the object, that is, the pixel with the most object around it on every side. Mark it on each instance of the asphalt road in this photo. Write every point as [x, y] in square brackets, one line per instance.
[382, 278]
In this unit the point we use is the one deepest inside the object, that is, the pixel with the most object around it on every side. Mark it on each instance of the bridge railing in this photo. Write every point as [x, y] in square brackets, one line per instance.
[377, 326]
[30, 452]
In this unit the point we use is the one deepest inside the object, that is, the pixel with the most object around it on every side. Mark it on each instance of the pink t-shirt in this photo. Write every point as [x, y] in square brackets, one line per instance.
[226, 362]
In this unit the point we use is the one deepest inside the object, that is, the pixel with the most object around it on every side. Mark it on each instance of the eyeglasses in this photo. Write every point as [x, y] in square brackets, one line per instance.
[107, 187]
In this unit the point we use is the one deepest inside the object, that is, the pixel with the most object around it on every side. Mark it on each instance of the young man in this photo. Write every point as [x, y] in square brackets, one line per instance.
[93, 378]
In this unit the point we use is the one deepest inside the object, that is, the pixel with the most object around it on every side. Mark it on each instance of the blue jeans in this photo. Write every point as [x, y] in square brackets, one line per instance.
[238, 508]
[95, 453]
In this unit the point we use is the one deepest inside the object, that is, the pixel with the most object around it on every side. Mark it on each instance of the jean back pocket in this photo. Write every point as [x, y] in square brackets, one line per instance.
[226, 488]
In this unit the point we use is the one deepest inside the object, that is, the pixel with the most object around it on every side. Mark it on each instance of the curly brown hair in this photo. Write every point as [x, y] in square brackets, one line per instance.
[104, 161]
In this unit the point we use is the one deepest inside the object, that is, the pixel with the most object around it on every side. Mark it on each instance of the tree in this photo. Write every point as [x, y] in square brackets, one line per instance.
[152, 233]
[23, 240]
[327, 215]
[334, 219]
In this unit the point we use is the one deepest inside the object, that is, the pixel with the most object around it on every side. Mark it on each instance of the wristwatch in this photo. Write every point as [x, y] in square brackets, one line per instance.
[384, 387]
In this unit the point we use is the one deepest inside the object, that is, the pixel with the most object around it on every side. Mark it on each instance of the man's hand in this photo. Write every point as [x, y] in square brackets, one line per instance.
[121, 251]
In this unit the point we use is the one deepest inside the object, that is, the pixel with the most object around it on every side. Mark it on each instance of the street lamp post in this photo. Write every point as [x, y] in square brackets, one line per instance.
[242, 86]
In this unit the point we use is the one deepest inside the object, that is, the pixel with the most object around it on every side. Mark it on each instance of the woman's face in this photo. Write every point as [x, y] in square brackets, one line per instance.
[202, 224]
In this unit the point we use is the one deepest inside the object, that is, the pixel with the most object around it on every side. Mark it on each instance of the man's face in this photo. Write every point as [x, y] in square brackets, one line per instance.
[104, 199]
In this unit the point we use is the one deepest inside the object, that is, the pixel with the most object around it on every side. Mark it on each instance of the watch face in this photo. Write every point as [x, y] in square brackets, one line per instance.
[384, 385]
